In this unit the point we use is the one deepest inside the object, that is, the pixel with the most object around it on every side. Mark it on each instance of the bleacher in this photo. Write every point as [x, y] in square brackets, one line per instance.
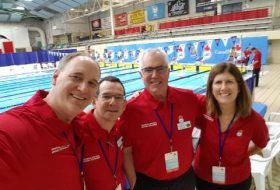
[244, 21]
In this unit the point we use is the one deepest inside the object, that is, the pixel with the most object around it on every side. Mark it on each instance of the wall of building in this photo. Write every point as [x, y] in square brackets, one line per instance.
[18, 34]
[274, 50]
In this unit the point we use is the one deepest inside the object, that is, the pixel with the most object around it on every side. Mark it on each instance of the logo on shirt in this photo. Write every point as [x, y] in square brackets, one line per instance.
[92, 158]
[59, 148]
[208, 117]
[239, 133]
[145, 125]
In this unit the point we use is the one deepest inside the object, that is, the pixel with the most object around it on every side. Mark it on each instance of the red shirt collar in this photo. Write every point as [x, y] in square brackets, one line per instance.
[155, 103]
[97, 132]
[41, 109]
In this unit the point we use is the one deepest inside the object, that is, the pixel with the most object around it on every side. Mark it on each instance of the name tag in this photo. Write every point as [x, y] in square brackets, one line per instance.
[119, 187]
[120, 141]
[171, 161]
[184, 125]
[218, 174]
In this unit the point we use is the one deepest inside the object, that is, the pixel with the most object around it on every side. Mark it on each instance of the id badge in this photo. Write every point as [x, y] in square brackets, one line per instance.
[218, 174]
[183, 125]
[119, 187]
[120, 141]
[171, 161]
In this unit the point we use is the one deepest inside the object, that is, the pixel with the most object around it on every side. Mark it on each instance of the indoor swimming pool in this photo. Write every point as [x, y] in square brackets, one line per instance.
[17, 89]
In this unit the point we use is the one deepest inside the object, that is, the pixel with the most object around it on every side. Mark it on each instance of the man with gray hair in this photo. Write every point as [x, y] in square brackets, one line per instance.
[158, 124]
[38, 148]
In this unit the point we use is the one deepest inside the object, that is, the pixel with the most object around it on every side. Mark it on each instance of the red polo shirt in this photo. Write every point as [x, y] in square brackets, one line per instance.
[257, 57]
[145, 134]
[37, 150]
[235, 157]
[100, 147]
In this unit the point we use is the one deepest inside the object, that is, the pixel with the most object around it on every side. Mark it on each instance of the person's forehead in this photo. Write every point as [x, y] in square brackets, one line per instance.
[224, 75]
[79, 62]
[110, 87]
[158, 58]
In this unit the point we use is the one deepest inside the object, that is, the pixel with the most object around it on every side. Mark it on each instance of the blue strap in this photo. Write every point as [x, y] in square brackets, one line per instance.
[222, 144]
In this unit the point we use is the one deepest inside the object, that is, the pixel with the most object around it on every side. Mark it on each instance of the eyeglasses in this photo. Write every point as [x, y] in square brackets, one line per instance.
[108, 97]
[150, 70]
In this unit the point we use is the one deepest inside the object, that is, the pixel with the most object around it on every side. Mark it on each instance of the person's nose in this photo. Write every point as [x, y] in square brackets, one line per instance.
[223, 85]
[112, 100]
[154, 73]
[83, 86]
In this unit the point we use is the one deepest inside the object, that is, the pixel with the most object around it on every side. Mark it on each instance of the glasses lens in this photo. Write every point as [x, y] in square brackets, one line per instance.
[159, 69]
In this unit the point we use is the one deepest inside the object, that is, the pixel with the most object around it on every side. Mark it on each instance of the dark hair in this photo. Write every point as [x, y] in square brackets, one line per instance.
[243, 100]
[253, 48]
[110, 79]
[66, 59]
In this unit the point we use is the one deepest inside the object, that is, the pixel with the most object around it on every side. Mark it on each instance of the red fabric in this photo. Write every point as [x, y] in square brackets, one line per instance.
[235, 155]
[0, 50]
[8, 47]
[35, 152]
[121, 19]
[258, 58]
[143, 131]
[98, 175]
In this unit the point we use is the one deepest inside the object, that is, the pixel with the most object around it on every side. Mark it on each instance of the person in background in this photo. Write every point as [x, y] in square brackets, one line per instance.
[232, 55]
[246, 55]
[37, 143]
[227, 127]
[257, 64]
[157, 130]
[102, 141]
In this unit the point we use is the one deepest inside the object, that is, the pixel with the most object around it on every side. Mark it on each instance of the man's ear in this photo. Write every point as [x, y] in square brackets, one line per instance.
[55, 76]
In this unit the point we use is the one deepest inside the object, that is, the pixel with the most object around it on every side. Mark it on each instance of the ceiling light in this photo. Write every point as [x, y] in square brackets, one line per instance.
[86, 10]
[28, 0]
[72, 9]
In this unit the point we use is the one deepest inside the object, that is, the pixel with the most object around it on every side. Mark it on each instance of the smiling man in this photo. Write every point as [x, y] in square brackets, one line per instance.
[102, 139]
[37, 143]
[158, 125]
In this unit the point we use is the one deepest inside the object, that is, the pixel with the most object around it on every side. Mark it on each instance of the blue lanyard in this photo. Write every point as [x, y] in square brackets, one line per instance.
[80, 162]
[222, 144]
[169, 134]
[113, 170]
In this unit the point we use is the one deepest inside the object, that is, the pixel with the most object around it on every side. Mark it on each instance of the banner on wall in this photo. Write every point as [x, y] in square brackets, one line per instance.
[121, 19]
[106, 23]
[208, 51]
[205, 5]
[96, 24]
[156, 11]
[178, 7]
[8, 47]
[137, 17]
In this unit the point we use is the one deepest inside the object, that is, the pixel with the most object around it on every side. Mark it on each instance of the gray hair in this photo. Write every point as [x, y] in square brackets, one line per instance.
[148, 52]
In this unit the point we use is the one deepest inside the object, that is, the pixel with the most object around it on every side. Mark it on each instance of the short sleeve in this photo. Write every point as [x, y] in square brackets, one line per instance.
[126, 129]
[260, 135]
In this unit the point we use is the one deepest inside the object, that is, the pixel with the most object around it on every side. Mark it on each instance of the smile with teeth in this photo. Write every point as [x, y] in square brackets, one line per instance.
[78, 97]
[114, 111]
[155, 83]
[224, 94]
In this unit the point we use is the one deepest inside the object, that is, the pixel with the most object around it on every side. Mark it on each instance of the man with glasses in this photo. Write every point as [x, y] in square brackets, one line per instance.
[102, 141]
[158, 124]
[37, 142]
